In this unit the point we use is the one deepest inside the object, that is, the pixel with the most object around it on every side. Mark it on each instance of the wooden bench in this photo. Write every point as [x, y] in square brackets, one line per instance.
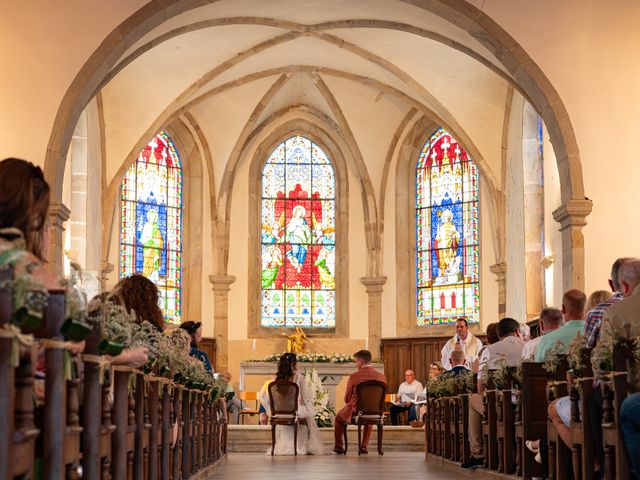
[505, 425]
[531, 418]
[559, 453]
[489, 427]
[615, 389]
[582, 449]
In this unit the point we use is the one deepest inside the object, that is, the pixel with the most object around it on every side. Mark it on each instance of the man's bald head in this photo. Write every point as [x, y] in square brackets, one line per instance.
[573, 302]
[629, 277]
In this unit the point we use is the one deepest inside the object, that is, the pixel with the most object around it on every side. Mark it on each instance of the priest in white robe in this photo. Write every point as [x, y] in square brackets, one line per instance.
[465, 340]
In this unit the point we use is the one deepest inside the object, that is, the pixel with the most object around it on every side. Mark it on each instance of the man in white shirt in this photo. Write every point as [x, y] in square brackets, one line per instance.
[509, 348]
[550, 319]
[463, 340]
[407, 393]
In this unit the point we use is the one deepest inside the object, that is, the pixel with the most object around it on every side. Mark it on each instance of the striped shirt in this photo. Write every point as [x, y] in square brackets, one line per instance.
[594, 320]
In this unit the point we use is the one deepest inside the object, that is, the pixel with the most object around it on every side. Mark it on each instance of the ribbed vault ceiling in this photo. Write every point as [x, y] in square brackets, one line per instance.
[377, 58]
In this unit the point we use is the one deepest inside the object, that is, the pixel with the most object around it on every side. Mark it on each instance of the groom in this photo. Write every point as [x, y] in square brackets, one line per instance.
[365, 373]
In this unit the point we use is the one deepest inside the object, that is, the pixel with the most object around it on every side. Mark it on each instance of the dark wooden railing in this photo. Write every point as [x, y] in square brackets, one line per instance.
[126, 425]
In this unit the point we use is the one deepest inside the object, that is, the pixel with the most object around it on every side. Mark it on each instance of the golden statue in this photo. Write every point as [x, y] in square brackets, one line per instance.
[297, 341]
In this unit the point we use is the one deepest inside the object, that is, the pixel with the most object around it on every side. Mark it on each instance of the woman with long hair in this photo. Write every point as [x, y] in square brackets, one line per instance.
[140, 295]
[309, 441]
[24, 232]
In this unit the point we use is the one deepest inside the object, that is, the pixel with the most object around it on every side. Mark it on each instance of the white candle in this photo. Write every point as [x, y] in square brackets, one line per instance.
[366, 343]
[253, 347]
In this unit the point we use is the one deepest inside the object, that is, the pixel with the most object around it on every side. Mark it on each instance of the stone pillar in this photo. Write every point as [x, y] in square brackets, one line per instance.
[500, 271]
[571, 217]
[58, 214]
[221, 286]
[374, 287]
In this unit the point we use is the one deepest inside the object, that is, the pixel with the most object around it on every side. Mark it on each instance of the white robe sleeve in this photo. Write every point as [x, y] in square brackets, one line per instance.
[446, 356]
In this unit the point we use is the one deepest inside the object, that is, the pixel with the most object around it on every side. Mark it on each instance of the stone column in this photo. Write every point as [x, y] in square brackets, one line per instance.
[374, 287]
[500, 271]
[221, 286]
[571, 217]
[58, 214]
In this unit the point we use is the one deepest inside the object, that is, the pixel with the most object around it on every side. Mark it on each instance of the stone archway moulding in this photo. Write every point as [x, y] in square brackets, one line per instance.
[526, 74]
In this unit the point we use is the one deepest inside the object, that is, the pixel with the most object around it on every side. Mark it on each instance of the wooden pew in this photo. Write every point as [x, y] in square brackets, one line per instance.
[582, 437]
[559, 453]
[465, 447]
[489, 427]
[531, 418]
[455, 412]
[615, 389]
[505, 425]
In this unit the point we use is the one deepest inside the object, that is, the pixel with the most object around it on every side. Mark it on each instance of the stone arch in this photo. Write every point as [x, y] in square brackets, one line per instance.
[526, 74]
[273, 132]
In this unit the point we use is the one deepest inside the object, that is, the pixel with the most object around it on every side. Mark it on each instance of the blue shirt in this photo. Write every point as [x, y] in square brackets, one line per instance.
[203, 357]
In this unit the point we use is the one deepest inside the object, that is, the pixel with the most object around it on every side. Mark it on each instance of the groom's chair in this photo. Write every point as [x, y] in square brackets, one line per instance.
[283, 397]
[369, 411]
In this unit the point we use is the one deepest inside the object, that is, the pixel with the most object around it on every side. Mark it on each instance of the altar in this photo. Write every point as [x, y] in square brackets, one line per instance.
[331, 372]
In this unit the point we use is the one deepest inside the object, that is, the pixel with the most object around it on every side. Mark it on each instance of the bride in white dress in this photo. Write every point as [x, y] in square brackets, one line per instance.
[309, 441]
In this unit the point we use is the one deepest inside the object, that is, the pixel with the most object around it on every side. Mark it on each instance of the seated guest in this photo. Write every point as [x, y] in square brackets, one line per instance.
[550, 320]
[492, 337]
[407, 393]
[233, 402]
[509, 348]
[364, 373]
[594, 315]
[457, 362]
[596, 298]
[573, 302]
[622, 320]
[194, 329]
[140, 295]
[591, 335]
[435, 369]
[464, 340]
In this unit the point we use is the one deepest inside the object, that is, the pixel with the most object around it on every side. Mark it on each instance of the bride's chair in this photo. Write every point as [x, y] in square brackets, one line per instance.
[369, 411]
[283, 397]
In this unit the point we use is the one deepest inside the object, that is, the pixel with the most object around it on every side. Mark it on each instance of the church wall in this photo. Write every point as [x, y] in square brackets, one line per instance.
[589, 53]
[41, 45]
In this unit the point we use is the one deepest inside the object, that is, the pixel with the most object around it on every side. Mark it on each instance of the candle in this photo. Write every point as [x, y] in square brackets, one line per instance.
[253, 346]
[366, 343]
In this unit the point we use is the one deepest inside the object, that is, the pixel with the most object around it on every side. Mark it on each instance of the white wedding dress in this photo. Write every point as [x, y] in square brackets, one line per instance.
[309, 441]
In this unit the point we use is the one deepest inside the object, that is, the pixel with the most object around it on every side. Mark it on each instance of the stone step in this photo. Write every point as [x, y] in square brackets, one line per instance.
[257, 438]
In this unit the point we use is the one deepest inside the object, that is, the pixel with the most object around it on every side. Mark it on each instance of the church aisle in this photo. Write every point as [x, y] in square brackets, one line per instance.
[408, 466]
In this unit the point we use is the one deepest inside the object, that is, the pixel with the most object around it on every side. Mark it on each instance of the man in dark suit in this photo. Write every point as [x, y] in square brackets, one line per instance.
[365, 373]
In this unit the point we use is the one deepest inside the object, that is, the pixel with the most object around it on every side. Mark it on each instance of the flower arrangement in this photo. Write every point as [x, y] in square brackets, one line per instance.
[113, 324]
[551, 357]
[311, 358]
[574, 354]
[30, 300]
[324, 410]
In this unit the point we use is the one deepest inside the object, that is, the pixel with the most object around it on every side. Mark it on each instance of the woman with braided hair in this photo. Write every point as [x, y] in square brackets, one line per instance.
[309, 441]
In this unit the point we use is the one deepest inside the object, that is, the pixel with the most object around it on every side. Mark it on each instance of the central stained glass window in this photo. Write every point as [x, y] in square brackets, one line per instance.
[151, 222]
[447, 261]
[298, 237]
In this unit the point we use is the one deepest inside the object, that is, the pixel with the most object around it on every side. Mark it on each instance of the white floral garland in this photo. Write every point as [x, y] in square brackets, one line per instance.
[312, 358]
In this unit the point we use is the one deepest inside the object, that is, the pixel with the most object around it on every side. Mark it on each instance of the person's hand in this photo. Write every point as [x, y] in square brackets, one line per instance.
[475, 366]
[131, 357]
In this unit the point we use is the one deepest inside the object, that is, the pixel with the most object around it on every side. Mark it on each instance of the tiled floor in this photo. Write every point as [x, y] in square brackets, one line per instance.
[393, 465]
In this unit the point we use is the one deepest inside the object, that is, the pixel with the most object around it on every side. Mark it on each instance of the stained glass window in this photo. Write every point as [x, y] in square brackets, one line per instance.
[151, 222]
[447, 261]
[298, 237]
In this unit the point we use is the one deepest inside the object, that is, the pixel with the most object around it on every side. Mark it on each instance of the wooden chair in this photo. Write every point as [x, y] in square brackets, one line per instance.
[369, 411]
[388, 399]
[283, 396]
[247, 396]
